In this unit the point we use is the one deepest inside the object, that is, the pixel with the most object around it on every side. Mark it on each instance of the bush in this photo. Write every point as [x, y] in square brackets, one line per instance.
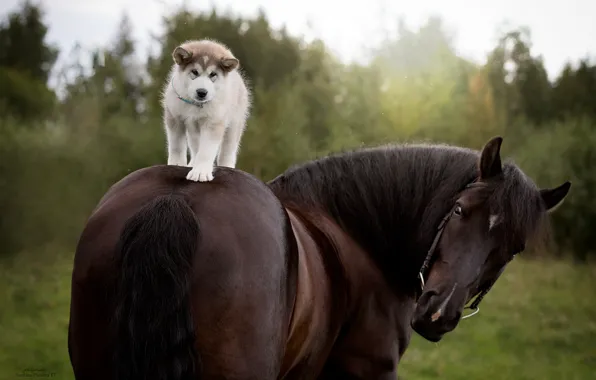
[24, 97]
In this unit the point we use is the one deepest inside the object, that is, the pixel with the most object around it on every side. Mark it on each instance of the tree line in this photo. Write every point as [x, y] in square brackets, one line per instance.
[59, 154]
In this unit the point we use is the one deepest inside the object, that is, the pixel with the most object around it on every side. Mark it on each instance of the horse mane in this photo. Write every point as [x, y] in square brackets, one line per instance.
[391, 198]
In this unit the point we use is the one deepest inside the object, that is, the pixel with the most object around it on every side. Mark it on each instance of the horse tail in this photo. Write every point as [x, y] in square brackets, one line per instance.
[154, 329]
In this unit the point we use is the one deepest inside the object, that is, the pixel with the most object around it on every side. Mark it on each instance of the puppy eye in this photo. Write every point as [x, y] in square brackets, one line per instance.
[458, 210]
[213, 75]
[194, 72]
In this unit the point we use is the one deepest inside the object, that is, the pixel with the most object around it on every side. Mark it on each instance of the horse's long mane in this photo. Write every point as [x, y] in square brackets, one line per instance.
[390, 199]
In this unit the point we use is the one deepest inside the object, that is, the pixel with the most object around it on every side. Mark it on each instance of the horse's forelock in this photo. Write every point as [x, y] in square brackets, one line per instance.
[518, 200]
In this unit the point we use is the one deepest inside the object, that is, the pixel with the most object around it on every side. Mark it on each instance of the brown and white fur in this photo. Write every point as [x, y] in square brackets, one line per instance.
[206, 104]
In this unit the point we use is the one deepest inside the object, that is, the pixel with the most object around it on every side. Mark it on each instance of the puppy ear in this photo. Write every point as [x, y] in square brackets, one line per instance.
[181, 56]
[229, 64]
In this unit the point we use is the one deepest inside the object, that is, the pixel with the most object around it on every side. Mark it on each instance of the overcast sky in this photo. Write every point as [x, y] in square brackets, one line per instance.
[561, 30]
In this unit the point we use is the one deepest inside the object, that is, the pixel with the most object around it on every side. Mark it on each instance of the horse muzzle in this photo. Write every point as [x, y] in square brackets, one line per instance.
[434, 315]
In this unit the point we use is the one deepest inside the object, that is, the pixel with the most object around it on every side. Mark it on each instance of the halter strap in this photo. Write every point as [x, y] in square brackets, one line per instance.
[431, 251]
[485, 290]
[433, 246]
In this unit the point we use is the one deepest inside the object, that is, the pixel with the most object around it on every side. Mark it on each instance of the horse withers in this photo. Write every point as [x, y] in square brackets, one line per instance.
[320, 274]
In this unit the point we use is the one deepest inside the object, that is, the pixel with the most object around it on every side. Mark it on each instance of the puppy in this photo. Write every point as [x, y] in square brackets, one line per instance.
[206, 104]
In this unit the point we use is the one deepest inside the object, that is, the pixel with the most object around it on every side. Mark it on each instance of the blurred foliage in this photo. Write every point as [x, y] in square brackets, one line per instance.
[24, 97]
[58, 155]
[25, 64]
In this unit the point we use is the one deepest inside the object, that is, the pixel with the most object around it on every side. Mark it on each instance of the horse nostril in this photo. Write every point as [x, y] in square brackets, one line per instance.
[427, 296]
[201, 93]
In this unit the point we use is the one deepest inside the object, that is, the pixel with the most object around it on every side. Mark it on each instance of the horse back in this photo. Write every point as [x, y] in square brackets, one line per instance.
[242, 273]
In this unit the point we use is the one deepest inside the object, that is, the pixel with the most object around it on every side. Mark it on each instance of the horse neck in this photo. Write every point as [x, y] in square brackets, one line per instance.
[392, 217]
[397, 242]
[340, 286]
[397, 257]
[360, 287]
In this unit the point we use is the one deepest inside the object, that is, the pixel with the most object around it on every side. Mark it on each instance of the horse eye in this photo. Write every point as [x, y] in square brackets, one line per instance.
[194, 72]
[458, 211]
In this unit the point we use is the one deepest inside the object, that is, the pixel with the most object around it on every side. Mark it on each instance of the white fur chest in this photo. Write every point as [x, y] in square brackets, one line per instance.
[190, 113]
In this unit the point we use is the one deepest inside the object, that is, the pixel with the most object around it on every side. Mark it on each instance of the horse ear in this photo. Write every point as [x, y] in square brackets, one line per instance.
[490, 159]
[553, 198]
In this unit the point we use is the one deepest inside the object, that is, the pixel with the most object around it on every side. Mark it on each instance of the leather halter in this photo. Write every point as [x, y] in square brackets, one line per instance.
[430, 253]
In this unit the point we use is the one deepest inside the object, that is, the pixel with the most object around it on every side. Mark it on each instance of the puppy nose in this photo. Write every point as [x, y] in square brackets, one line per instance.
[201, 93]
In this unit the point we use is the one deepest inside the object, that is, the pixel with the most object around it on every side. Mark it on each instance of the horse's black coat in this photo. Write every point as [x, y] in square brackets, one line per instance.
[383, 196]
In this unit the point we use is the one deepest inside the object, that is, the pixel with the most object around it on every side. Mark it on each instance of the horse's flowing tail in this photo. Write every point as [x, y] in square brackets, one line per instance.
[153, 323]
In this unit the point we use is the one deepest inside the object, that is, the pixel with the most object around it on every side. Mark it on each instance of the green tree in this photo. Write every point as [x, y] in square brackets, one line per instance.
[118, 75]
[22, 43]
[116, 82]
[26, 60]
[425, 83]
[519, 80]
[573, 91]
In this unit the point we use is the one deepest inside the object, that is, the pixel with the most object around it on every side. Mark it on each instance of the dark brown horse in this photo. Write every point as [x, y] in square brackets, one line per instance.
[320, 275]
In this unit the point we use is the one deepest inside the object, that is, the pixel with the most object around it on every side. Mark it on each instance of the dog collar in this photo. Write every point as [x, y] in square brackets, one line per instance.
[191, 102]
[188, 101]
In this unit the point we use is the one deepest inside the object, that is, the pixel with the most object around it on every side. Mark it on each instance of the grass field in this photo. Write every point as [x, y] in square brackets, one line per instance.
[538, 322]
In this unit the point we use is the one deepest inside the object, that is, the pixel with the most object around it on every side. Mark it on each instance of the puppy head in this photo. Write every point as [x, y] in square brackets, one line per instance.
[201, 67]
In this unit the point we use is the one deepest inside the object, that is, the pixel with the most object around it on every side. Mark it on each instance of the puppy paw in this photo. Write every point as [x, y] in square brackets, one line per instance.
[202, 173]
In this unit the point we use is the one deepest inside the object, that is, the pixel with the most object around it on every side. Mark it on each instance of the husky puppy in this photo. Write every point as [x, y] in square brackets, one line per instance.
[206, 103]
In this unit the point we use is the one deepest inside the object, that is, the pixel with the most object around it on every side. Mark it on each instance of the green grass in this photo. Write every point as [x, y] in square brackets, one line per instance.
[34, 312]
[538, 322]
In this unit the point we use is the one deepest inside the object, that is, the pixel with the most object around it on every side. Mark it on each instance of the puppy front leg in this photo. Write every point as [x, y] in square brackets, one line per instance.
[176, 143]
[208, 145]
[229, 147]
[193, 141]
